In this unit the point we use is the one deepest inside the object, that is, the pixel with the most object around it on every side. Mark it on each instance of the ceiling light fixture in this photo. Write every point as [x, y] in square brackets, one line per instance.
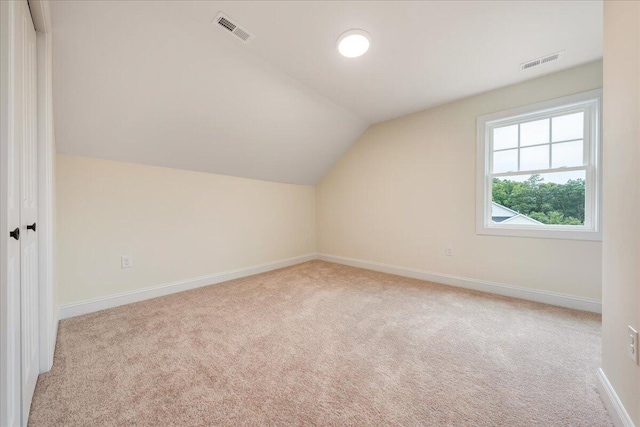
[353, 43]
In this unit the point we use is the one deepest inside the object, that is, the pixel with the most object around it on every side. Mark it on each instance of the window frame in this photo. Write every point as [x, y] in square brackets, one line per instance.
[591, 103]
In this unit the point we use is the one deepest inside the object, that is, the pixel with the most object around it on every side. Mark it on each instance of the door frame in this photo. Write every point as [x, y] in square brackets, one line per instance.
[48, 320]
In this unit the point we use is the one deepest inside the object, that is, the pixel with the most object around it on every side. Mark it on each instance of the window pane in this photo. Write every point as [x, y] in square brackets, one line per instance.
[533, 133]
[567, 154]
[505, 137]
[505, 161]
[534, 158]
[536, 200]
[568, 127]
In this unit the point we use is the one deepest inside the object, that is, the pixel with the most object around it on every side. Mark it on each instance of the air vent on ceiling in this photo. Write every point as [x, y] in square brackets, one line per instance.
[540, 61]
[225, 23]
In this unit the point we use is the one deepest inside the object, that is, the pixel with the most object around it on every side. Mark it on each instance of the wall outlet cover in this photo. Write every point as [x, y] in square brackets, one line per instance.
[632, 344]
[126, 261]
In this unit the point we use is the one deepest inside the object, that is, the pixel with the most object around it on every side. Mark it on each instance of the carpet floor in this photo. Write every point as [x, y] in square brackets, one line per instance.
[322, 344]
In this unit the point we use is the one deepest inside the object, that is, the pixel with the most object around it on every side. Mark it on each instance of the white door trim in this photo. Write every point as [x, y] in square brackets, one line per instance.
[48, 326]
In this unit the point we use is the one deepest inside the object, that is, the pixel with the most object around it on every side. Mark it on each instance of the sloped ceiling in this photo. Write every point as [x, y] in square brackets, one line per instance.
[158, 83]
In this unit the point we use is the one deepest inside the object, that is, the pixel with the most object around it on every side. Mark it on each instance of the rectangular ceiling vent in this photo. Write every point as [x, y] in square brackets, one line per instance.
[228, 25]
[540, 61]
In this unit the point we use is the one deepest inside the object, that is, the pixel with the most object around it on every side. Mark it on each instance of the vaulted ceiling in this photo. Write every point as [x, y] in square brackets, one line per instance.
[158, 83]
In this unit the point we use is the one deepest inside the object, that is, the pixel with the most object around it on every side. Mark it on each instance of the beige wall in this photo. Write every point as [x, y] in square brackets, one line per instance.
[621, 240]
[406, 190]
[176, 224]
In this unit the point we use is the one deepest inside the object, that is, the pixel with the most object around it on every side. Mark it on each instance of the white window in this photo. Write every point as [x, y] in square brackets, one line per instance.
[538, 170]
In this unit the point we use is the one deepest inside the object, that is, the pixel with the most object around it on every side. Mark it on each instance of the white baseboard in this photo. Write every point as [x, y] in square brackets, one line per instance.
[562, 300]
[618, 414]
[54, 335]
[102, 303]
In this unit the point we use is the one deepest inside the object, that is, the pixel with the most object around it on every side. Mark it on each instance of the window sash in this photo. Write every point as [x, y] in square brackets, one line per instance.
[586, 109]
[588, 200]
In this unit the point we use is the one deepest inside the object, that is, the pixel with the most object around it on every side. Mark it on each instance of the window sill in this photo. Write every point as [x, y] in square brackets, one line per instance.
[561, 233]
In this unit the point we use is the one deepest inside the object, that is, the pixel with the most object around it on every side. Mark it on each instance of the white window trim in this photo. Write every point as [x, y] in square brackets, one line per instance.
[593, 203]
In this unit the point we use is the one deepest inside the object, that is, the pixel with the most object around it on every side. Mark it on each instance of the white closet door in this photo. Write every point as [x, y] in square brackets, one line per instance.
[28, 213]
[10, 368]
[19, 293]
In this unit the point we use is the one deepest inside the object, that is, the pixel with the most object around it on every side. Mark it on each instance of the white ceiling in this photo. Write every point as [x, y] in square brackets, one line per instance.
[157, 83]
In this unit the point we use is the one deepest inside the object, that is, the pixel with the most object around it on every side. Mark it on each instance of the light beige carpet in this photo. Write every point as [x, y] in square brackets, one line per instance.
[321, 344]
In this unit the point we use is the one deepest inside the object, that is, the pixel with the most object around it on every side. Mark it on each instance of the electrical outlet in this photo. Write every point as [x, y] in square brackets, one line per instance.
[448, 251]
[126, 261]
[632, 344]
[306, 239]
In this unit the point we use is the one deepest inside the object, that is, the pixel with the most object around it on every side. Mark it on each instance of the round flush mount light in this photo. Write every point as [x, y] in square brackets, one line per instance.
[353, 43]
